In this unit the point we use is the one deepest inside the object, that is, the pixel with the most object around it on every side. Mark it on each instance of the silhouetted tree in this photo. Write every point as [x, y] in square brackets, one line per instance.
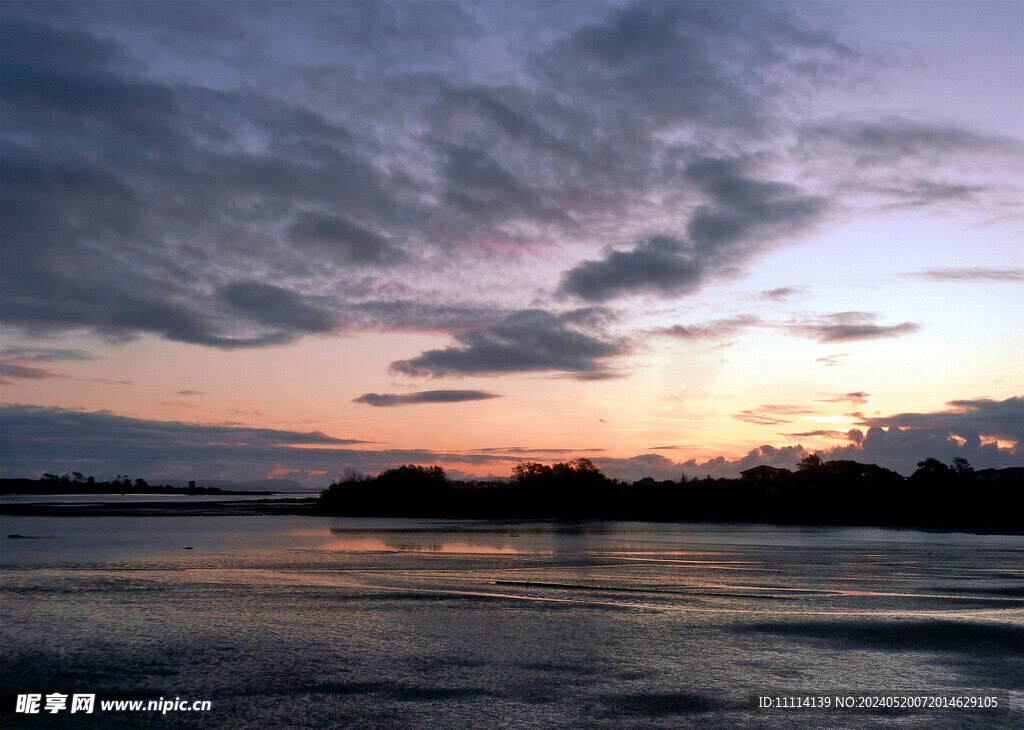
[411, 476]
[352, 476]
[820, 492]
[961, 466]
[930, 469]
[408, 489]
[809, 462]
[530, 472]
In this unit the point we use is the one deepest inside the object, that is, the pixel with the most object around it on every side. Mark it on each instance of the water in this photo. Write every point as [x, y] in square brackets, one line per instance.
[286, 621]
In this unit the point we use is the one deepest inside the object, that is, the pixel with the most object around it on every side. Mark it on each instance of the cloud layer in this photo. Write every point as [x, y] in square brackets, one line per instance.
[548, 188]
[35, 439]
[243, 194]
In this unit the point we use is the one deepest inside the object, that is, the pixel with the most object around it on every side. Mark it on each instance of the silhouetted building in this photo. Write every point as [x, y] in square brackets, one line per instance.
[764, 473]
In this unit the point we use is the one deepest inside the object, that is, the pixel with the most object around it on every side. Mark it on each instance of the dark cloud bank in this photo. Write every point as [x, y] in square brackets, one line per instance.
[530, 340]
[742, 216]
[179, 171]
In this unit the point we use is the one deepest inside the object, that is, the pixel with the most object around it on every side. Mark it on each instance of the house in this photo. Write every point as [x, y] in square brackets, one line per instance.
[764, 473]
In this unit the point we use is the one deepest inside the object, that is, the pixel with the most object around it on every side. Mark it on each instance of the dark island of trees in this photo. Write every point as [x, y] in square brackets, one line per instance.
[818, 492]
[76, 483]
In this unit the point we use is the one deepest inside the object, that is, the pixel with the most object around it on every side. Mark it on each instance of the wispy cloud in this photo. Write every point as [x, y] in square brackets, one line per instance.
[13, 362]
[524, 452]
[832, 360]
[856, 398]
[971, 274]
[771, 415]
[44, 354]
[714, 329]
[818, 434]
[781, 293]
[877, 143]
[387, 400]
[26, 372]
[850, 326]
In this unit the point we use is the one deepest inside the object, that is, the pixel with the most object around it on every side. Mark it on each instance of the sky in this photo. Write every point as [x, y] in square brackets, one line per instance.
[246, 240]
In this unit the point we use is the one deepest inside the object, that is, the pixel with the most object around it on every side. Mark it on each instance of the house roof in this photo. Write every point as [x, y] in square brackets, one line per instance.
[763, 469]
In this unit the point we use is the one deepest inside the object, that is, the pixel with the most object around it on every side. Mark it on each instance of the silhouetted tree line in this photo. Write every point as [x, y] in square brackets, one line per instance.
[840, 492]
[77, 483]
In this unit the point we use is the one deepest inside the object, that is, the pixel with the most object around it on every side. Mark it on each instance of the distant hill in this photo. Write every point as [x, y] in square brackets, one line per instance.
[1012, 473]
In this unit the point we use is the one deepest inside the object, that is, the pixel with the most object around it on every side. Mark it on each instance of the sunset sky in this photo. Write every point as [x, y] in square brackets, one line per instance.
[249, 240]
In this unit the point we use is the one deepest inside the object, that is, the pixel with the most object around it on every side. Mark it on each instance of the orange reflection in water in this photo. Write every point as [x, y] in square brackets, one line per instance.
[346, 541]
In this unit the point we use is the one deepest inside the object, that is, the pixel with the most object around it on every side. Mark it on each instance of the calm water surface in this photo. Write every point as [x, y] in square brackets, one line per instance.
[329, 622]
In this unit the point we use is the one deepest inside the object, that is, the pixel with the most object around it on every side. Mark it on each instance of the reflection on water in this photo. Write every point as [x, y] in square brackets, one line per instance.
[351, 541]
[332, 622]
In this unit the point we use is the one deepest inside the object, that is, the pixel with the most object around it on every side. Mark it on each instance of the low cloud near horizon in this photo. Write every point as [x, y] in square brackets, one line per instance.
[35, 439]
